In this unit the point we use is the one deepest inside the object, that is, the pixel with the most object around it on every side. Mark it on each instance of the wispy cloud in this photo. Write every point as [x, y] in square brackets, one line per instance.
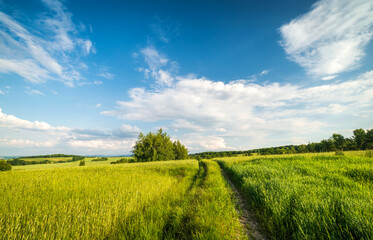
[34, 92]
[51, 55]
[158, 67]
[164, 29]
[331, 38]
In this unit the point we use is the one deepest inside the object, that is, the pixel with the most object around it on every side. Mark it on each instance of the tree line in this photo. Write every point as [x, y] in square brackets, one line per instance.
[361, 140]
[20, 161]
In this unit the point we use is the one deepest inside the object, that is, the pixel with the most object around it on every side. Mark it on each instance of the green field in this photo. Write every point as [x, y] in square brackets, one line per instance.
[309, 196]
[298, 196]
[158, 200]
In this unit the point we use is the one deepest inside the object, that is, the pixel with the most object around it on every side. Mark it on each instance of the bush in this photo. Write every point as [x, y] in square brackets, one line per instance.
[124, 160]
[339, 153]
[77, 158]
[4, 166]
[369, 154]
[100, 159]
[82, 163]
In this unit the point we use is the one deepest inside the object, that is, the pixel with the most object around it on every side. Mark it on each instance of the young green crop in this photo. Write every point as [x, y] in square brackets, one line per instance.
[309, 196]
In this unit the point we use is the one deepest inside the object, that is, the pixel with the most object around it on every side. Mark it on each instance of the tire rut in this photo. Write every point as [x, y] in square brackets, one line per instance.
[251, 226]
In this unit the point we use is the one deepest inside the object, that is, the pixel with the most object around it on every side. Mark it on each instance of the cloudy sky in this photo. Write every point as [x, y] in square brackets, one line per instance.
[85, 77]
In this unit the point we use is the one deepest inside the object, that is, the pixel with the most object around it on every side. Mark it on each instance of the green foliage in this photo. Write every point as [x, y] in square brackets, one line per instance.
[100, 159]
[339, 153]
[180, 151]
[44, 159]
[302, 197]
[77, 158]
[4, 166]
[369, 154]
[124, 160]
[82, 163]
[157, 147]
[360, 141]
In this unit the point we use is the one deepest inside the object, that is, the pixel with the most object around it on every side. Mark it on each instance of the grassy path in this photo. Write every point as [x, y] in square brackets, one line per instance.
[246, 217]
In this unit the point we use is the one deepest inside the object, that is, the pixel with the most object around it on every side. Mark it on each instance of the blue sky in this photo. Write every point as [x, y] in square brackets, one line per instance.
[85, 77]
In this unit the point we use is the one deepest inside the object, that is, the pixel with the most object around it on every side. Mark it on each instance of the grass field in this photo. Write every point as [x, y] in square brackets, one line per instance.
[309, 196]
[88, 162]
[158, 200]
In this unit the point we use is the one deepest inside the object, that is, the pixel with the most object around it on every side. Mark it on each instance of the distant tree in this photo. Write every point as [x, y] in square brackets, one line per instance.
[157, 147]
[77, 158]
[82, 163]
[359, 138]
[180, 151]
[302, 148]
[338, 141]
[369, 139]
[4, 166]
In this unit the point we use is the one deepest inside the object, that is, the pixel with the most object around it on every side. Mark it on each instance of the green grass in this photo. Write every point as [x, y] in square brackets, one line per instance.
[308, 196]
[53, 159]
[157, 200]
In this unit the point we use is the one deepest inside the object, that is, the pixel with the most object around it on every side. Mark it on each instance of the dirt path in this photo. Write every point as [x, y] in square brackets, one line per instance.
[246, 218]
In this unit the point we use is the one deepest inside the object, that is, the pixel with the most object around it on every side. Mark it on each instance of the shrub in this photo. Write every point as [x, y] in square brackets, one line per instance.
[82, 163]
[339, 153]
[124, 160]
[100, 159]
[369, 154]
[4, 166]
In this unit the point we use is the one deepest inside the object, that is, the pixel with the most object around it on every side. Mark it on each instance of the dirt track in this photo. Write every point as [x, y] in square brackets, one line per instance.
[246, 218]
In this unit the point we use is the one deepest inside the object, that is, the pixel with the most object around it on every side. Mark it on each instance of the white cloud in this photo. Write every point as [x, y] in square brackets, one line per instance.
[2, 93]
[30, 143]
[106, 75]
[44, 51]
[129, 129]
[103, 144]
[153, 58]
[330, 77]
[158, 67]
[20, 134]
[87, 46]
[34, 92]
[238, 110]
[331, 38]
[10, 121]
[98, 105]
[164, 78]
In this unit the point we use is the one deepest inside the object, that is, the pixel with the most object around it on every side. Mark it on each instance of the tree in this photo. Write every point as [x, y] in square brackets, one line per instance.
[369, 139]
[359, 138]
[4, 166]
[180, 151]
[82, 163]
[338, 141]
[158, 147]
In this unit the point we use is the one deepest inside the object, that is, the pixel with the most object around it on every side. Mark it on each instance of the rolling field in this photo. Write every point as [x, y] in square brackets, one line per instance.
[309, 196]
[158, 200]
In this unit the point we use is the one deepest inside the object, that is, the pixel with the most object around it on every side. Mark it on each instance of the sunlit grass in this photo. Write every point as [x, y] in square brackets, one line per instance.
[157, 200]
[308, 196]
